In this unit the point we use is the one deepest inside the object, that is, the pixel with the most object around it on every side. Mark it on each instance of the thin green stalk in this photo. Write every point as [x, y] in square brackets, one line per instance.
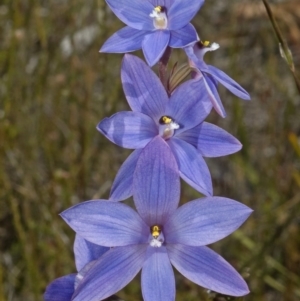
[283, 47]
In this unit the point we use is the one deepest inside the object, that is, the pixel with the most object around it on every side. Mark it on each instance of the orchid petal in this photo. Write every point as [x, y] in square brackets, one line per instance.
[106, 223]
[205, 221]
[183, 36]
[143, 89]
[182, 12]
[85, 252]
[192, 166]
[128, 129]
[61, 289]
[211, 140]
[158, 282]
[189, 105]
[154, 45]
[135, 14]
[156, 186]
[208, 269]
[126, 39]
[213, 94]
[111, 273]
[122, 186]
[228, 83]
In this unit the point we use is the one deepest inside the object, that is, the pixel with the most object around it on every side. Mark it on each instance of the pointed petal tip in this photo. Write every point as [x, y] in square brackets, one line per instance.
[222, 114]
[104, 49]
[101, 49]
[65, 216]
[243, 290]
[244, 95]
[248, 97]
[98, 127]
[151, 64]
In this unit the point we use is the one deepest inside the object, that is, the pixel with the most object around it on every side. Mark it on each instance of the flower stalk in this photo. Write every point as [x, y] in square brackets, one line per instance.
[163, 68]
[283, 46]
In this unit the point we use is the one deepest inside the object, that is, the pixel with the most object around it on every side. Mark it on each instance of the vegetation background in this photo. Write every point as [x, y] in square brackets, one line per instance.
[54, 89]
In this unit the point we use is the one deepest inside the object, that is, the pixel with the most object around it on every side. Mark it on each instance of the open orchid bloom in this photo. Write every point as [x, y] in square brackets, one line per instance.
[179, 120]
[212, 75]
[158, 235]
[152, 25]
[62, 289]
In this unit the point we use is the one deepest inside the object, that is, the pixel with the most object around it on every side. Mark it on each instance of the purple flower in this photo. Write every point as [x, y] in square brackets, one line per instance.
[157, 235]
[152, 25]
[62, 289]
[179, 120]
[212, 75]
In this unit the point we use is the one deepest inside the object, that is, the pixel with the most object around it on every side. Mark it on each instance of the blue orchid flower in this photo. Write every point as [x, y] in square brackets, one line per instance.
[158, 235]
[152, 25]
[179, 120]
[212, 75]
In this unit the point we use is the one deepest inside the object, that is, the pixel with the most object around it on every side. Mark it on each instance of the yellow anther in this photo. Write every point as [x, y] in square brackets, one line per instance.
[165, 120]
[205, 43]
[158, 9]
[155, 231]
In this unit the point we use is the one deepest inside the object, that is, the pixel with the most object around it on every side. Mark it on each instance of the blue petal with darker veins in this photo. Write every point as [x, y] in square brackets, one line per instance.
[126, 39]
[158, 281]
[154, 45]
[128, 129]
[118, 224]
[143, 89]
[114, 270]
[182, 12]
[208, 269]
[205, 221]
[211, 140]
[228, 83]
[134, 13]
[189, 104]
[193, 169]
[122, 186]
[156, 186]
[183, 36]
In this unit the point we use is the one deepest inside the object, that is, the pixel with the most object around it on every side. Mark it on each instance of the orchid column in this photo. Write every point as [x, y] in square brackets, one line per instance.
[169, 138]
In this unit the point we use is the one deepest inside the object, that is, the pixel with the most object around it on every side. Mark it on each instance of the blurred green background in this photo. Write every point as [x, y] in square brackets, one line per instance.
[54, 89]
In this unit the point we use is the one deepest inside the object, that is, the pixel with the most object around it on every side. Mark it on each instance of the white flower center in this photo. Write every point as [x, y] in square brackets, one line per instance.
[167, 127]
[202, 47]
[156, 239]
[159, 16]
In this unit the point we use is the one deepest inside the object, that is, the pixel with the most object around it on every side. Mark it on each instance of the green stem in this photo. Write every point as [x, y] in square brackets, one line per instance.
[282, 43]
